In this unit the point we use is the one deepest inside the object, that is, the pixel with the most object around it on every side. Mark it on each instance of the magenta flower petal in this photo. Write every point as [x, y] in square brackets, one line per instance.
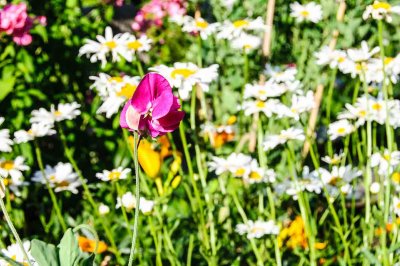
[162, 105]
[153, 109]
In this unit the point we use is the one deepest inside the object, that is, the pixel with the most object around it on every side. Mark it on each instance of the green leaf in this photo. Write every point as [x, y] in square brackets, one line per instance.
[370, 257]
[68, 249]
[87, 260]
[44, 254]
[6, 86]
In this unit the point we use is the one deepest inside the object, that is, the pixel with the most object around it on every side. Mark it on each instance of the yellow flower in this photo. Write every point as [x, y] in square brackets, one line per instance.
[89, 245]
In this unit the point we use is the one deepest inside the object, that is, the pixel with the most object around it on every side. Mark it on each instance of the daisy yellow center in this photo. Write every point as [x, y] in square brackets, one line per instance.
[134, 45]
[116, 79]
[30, 132]
[388, 60]
[341, 59]
[381, 5]
[260, 104]
[7, 165]
[201, 24]
[256, 229]
[362, 113]
[262, 92]
[247, 46]
[240, 172]
[231, 120]
[255, 176]
[114, 175]
[341, 130]
[358, 67]
[7, 181]
[111, 44]
[398, 206]
[185, 72]
[304, 13]
[240, 23]
[396, 177]
[386, 157]
[57, 113]
[335, 161]
[52, 177]
[334, 180]
[377, 106]
[127, 91]
[63, 184]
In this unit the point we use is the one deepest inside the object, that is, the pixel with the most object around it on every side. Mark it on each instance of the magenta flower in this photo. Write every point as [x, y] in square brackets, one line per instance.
[153, 109]
[14, 20]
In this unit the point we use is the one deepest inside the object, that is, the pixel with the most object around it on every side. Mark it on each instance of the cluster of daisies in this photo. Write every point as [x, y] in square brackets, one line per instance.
[119, 46]
[361, 63]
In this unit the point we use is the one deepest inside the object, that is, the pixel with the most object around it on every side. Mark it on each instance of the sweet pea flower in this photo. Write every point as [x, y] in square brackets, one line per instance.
[153, 109]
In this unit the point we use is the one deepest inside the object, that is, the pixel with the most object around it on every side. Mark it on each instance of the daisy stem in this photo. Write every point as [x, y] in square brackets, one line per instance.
[10, 224]
[119, 193]
[304, 207]
[51, 192]
[68, 154]
[139, 66]
[386, 183]
[328, 106]
[193, 181]
[200, 52]
[368, 174]
[245, 220]
[136, 140]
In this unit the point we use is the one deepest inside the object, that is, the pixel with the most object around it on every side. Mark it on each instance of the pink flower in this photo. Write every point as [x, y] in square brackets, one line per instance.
[14, 20]
[153, 109]
[155, 11]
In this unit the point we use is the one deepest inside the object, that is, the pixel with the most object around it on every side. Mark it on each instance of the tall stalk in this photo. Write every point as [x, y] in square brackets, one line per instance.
[136, 140]
[10, 224]
[51, 192]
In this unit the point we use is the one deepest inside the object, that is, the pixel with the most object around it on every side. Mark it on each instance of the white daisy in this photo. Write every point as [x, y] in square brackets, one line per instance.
[237, 163]
[381, 10]
[386, 161]
[267, 107]
[199, 26]
[64, 111]
[396, 205]
[15, 253]
[114, 91]
[259, 174]
[5, 141]
[246, 42]
[114, 175]
[107, 44]
[327, 56]
[184, 76]
[230, 30]
[129, 202]
[257, 229]
[103, 209]
[309, 12]
[340, 128]
[11, 173]
[335, 159]
[36, 131]
[61, 177]
[264, 91]
[278, 75]
[300, 104]
[134, 45]
[271, 141]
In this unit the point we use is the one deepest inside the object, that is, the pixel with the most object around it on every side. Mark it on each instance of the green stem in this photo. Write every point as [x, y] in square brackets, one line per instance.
[328, 106]
[139, 66]
[51, 192]
[245, 220]
[136, 141]
[88, 194]
[10, 224]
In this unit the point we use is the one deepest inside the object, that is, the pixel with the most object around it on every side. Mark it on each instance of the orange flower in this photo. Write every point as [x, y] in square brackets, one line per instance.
[151, 156]
[89, 245]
